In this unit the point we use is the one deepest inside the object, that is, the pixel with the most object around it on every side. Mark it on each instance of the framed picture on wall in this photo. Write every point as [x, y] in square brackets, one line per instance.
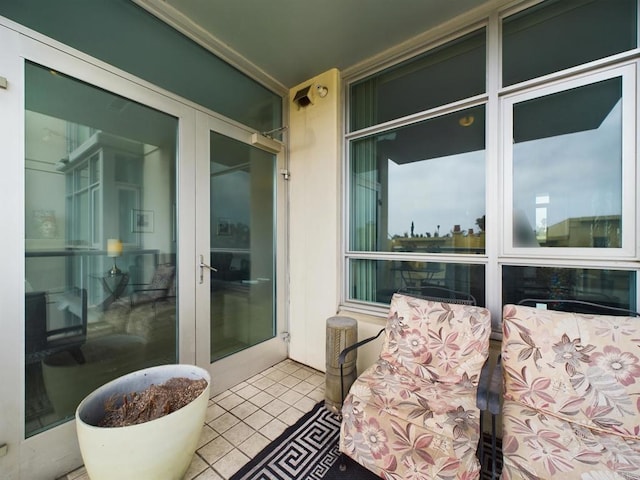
[142, 221]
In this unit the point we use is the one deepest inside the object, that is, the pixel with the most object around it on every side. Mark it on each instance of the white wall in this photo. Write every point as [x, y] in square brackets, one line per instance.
[314, 237]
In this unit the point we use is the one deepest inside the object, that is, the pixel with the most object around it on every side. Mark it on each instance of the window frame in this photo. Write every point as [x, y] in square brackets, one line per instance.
[627, 72]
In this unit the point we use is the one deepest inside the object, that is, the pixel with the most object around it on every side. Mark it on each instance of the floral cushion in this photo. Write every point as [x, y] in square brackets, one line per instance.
[572, 392]
[413, 413]
[440, 341]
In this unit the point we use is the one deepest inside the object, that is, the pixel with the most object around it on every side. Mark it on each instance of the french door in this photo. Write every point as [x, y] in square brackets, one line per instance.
[105, 218]
[238, 324]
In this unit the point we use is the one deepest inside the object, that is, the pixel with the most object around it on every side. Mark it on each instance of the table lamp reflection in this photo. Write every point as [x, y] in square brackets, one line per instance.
[114, 249]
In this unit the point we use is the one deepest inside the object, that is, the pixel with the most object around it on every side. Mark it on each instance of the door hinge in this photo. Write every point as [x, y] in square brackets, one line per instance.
[285, 173]
[285, 336]
[3, 83]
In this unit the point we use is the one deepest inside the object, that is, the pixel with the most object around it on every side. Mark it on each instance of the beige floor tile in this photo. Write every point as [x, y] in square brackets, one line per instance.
[198, 465]
[263, 383]
[213, 412]
[290, 397]
[231, 401]
[206, 436]
[244, 410]
[316, 379]
[261, 399]
[302, 374]
[303, 387]
[255, 378]
[273, 429]
[317, 394]
[276, 389]
[239, 386]
[290, 416]
[289, 381]
[276, 375]
[248, 392]
[208, 474]
[230, 463]
[254, 444]
[289, 368]
[258, 419]
[275, 407]
[238, 433]
[224, 422]
[306, 404]
[215, 450]
[221, 395]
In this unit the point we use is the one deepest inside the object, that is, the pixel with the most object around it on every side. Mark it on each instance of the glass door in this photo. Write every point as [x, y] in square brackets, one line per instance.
[236, 210]
[92, 241]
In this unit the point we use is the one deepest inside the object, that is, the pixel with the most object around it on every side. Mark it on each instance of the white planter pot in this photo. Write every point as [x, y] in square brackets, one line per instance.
[161, 449]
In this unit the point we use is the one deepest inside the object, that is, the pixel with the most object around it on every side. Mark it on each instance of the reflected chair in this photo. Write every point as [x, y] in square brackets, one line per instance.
[571, 393]
[41, 341]
[414, 413]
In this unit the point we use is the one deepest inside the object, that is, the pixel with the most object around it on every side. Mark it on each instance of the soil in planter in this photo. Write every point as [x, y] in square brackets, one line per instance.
[154, 402]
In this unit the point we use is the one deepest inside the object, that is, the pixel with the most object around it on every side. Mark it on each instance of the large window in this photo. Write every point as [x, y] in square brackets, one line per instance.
[568, 160]
[509, 180]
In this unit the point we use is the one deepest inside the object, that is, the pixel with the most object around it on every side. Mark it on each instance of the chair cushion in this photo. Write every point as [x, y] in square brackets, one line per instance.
[583, 368]
[438, 341]
[545, 446]
[447, 408]
[401, 426]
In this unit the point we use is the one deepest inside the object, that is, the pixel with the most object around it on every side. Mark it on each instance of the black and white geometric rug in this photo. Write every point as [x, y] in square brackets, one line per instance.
[308, 450]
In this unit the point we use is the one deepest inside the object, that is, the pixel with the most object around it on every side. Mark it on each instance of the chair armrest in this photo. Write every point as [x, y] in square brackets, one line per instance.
[484, 385]
[343, 354]
[495, 388]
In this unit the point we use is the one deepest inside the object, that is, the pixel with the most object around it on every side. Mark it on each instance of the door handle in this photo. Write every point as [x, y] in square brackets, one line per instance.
[203, 266]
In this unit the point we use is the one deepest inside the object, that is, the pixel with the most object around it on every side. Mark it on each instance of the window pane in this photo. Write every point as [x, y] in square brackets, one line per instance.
[100, 265]
[615, 288]
[446, 74]
[567, 168]
[377, 280]
[556, 35]
[421, 188]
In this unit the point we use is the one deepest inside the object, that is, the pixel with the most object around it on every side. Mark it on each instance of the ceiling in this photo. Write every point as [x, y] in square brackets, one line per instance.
[291, 41]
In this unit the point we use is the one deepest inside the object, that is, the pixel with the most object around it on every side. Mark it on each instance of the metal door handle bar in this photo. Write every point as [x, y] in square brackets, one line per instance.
[203, 266]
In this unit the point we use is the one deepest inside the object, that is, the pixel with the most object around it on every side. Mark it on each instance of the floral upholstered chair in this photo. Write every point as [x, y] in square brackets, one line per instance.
[413, 414]
[571, 395]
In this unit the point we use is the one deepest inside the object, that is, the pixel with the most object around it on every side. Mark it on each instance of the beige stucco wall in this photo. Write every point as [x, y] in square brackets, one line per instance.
[314, 216]
[315, 213]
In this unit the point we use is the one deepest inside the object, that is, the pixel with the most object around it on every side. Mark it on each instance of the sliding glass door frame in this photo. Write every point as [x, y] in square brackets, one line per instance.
[226, 371]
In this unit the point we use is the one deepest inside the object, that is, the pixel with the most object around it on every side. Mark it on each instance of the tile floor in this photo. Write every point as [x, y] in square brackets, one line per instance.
[244, 419]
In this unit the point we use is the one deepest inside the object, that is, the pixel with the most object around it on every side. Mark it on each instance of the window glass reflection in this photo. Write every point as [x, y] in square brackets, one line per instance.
[377, 280]
[421, 188]
[556, 35]
[615, 288]
[100, 242]
[448, 73]
[567, 168]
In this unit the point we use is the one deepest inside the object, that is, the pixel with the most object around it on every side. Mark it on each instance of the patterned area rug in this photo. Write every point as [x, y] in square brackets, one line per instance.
[308, 450]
